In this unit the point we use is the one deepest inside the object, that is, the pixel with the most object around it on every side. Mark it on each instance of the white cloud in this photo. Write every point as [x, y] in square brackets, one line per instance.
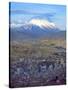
[13, 25]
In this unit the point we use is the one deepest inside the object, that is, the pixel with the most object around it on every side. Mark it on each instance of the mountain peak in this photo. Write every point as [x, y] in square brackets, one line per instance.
[42, 23]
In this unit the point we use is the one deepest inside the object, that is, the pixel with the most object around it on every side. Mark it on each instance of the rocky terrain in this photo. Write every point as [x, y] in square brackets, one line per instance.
[37, 63]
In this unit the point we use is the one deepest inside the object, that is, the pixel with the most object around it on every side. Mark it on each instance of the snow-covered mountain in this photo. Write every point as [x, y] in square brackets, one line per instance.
[35, 28]
[43, 23]
[36, 22]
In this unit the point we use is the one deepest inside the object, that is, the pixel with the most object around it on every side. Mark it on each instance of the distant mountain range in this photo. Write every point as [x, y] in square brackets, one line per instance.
[35, 29]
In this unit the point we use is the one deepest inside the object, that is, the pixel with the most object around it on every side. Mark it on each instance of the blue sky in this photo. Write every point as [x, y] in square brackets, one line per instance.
[23, 12]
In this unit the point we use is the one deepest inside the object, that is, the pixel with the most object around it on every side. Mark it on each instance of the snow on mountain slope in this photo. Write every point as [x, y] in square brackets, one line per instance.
[36, 22]
[42, 23]
[35, 29]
